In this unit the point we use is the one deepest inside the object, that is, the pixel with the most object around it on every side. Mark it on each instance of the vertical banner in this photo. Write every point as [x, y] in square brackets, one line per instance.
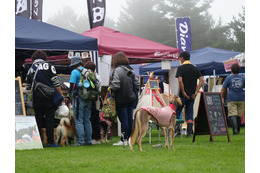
[22, 8]
[183, 34]
[37, 10]
[96, 12]
[94, 58]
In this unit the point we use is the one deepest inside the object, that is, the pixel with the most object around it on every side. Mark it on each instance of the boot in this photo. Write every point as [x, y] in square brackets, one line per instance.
[189, 129]
[238, 124]
[233, 120]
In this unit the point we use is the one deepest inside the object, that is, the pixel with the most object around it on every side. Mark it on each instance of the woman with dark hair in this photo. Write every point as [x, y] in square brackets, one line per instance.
[43, 106]
[122, 85]
[235, 97]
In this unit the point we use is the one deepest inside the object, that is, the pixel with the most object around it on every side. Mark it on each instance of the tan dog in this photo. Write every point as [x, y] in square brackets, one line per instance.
[142, 117]
[65, 131]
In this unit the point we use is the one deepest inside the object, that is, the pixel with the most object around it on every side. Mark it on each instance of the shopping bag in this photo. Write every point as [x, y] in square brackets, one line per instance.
[57, 99]
[109, 107]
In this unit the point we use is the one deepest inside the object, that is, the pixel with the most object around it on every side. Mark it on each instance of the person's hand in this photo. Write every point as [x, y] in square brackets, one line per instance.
[194, 95]
[186, 96]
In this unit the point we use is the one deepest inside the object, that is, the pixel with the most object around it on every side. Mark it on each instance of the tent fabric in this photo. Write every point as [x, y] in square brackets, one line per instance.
[31, 34]
[150, 97]
[206, 59]
[111, 41]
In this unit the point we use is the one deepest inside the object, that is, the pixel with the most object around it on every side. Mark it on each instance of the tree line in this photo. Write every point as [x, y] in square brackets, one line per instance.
[155, 20]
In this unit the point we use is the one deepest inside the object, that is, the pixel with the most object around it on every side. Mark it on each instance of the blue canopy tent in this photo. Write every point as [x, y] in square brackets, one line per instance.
[31, 35]
[206, 59]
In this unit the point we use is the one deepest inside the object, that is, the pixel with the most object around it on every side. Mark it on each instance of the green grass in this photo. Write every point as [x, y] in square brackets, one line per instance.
[200, 156]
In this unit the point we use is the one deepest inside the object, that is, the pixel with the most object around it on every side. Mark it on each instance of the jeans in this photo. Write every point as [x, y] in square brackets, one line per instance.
[82, 120]
[189, 108]
[125, 115]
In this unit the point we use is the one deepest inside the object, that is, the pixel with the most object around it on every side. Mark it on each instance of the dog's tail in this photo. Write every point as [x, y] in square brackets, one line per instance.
[134, 132]
[66, 122]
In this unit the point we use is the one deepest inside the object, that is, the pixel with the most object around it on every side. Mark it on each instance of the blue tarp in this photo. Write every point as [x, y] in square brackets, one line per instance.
[206, 59]
[32, 35]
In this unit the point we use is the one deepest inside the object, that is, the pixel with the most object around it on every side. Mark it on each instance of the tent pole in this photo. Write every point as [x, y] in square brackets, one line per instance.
[214, 85]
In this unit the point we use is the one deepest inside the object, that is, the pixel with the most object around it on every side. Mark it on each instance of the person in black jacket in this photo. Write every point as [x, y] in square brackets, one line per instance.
[43, 107]
[122, 84]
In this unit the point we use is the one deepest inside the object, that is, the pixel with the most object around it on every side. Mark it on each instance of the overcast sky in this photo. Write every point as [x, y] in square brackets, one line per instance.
[225, 9]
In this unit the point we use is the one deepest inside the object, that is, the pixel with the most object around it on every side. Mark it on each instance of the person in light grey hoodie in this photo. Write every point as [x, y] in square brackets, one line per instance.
[123, 85]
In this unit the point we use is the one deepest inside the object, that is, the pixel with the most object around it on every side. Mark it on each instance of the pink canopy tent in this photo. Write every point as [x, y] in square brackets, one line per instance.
[137, 49]
[111, 41]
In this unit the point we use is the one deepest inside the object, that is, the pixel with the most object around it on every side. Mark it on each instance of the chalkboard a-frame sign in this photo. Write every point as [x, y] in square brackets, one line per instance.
[211, 117]
[19, 101]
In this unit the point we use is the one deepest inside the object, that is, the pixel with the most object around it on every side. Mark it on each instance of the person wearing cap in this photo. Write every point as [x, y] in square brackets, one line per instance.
[187, 75]
[81, 107]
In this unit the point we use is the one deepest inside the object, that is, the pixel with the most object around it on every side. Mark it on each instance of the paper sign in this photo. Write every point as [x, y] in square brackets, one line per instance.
[166, 65]
[229, 63]
[27, 135]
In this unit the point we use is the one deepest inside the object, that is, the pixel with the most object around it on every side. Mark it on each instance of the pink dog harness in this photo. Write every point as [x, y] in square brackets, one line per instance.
[162, 115]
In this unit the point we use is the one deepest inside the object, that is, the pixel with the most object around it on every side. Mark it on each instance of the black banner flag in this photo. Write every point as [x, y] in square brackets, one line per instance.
[96, 12]
[37, 10]
[22, 8]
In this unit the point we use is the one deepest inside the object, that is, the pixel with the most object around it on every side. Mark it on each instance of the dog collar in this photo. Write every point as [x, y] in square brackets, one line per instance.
[173, 107]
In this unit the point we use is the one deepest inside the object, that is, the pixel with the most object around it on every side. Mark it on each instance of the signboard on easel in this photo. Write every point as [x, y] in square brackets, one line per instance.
[211, 119]
[19, 100]
[27, 135]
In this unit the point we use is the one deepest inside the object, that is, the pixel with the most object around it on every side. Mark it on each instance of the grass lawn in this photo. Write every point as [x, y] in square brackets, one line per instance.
[200, 156]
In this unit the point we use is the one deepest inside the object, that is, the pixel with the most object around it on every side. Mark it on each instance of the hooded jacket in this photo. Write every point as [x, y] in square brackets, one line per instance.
[122, 85]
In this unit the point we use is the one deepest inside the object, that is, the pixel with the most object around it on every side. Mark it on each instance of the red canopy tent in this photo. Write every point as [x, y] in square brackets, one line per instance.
[111, 41]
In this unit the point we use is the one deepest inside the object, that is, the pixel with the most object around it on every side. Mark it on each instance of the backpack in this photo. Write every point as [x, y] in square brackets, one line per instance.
[87, 88]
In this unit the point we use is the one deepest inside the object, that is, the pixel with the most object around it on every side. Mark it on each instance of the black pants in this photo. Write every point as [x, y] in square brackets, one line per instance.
[44, 114]
[94, 119]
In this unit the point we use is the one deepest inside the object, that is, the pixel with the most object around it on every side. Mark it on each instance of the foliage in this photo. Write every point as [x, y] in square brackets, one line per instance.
[71, 21]
[145, 19]
[155, 20]
[21, 132]
[200, 156]
[237, 32]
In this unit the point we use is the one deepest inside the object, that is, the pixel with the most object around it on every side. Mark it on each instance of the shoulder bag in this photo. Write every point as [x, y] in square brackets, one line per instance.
[48, 91]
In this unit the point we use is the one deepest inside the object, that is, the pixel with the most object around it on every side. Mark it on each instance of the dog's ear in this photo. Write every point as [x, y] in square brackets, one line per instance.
[176, 100]
[171, 99]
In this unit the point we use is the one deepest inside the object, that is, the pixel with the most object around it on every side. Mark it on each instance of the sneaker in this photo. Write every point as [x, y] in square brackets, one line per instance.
[120, 143]
[77, 145]
[53, 145]
[95, 142]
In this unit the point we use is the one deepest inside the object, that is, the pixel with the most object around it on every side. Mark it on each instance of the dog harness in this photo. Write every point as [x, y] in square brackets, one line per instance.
[162, 115]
